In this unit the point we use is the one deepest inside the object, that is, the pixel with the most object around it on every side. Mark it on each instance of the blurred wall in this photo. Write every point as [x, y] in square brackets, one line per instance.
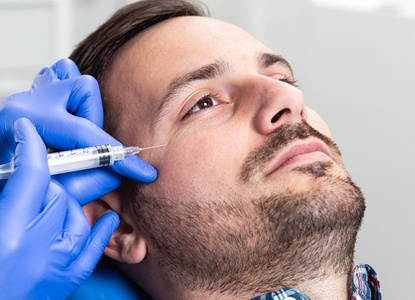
[36, 33]
[356, 70]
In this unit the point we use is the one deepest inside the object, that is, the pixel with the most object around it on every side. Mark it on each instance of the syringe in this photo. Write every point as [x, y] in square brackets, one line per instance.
[81, 159]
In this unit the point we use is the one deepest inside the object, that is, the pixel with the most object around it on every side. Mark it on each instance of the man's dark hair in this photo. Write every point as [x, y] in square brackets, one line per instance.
[94, 54]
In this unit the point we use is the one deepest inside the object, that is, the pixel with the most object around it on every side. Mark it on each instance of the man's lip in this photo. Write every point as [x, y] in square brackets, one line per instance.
[297, 153]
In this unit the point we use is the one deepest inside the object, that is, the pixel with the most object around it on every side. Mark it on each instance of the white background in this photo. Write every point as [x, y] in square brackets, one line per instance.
[356, 66]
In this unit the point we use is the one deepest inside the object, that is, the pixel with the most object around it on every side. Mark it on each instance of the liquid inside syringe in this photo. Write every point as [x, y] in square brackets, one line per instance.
[81, 159]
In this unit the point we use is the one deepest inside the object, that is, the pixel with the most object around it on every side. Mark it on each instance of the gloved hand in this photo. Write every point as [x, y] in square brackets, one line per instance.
[47, 246]
[66, 109]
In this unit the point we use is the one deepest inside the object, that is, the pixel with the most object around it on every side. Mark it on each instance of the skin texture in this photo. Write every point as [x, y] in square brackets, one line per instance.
[230, 215]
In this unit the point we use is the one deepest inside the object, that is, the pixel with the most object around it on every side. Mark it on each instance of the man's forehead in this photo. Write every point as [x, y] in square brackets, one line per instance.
[180, 44]
[189, 35]
[201, 26]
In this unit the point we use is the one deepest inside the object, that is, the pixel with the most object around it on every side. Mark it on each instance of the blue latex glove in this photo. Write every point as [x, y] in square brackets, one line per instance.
[47, 246]
[66, 109]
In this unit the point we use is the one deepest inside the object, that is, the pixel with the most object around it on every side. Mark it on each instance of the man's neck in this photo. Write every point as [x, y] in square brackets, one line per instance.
[328, 288]
[331, 287]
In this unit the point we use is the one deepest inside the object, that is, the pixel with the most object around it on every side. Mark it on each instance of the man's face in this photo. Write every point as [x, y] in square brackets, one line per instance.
[241, 175]
[210, 92]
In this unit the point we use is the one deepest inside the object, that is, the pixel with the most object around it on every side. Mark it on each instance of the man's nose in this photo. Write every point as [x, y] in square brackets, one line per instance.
[278, 103]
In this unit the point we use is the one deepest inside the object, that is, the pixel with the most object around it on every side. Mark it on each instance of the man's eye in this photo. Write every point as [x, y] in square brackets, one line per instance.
[284, 78]
[205, 102]
[288, 80]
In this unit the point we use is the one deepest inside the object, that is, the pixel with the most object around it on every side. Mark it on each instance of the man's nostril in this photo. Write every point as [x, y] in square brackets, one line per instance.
[278, 115]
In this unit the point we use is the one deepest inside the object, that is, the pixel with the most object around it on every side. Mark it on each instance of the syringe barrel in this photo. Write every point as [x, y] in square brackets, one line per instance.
[80, 159]
[76, 160]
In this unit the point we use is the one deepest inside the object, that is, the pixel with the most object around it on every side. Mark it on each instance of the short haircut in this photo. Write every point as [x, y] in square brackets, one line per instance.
[95, 54]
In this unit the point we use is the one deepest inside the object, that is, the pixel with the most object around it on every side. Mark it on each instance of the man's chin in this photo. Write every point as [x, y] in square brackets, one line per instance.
[326, 201]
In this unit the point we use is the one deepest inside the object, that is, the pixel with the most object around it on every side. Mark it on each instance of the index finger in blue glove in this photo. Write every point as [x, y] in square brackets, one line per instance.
[61, 70]
[85, 100]
[66, 68]
[61, 87]
[135, 168]
[78, 96]
[100, 234]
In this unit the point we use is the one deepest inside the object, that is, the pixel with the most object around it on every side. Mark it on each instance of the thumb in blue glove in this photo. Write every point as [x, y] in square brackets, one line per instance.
[47, 245]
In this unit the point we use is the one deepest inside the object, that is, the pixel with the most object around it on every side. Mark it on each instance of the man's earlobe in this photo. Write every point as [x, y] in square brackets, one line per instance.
[127, 244]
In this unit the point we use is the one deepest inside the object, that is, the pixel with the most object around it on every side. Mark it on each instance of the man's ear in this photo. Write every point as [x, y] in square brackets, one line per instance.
[127, 244]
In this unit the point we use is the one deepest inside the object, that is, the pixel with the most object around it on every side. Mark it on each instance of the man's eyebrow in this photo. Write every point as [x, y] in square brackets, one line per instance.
[266, 60]
[205, 72]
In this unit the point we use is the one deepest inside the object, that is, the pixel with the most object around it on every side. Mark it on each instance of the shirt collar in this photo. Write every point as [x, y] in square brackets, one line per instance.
[365, 286]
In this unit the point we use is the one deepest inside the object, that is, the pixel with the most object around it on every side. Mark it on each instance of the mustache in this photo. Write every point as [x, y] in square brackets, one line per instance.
[284, 135]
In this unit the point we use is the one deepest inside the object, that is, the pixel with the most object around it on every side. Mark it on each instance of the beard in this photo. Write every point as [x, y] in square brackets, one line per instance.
[259, 241]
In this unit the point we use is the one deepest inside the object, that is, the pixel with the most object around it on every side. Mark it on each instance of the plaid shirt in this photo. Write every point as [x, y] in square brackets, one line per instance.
[365, 286]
